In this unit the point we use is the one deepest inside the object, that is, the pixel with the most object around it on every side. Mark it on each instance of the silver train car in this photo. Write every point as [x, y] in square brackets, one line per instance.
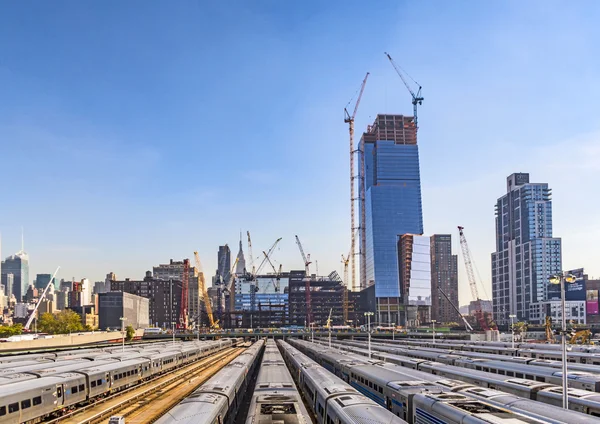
[51, 395]
[330, 398]
[423, 401]
[218, 400]
[275, 397]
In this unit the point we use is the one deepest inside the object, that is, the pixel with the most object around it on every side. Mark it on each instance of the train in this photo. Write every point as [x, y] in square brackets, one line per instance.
[275, 397]
[418, 397]
[331, 399]
[218, 400]
[51, 395]
[580, 400]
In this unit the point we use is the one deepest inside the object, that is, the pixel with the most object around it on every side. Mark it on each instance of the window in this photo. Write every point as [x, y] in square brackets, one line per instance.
[2, 410]
[99, 382]
[25, 404]
[74, 389]
[59, 391]
[81, 387]
[13, 407]
[93, 383]
[37, 400]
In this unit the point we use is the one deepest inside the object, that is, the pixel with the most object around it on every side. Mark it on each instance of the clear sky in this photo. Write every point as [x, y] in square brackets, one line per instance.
[135, 132]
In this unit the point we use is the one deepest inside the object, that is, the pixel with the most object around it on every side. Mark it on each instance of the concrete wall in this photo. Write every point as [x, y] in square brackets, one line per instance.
[64, 340]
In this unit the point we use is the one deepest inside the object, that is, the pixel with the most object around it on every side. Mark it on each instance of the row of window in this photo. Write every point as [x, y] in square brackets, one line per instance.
[76, 389]
[124, 374]
[96, 383]
[510, 373]
[14, 407]
[367, 383]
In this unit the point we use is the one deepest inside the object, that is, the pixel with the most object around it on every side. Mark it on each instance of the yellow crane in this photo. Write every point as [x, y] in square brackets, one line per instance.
[211, 319]
[584, 335]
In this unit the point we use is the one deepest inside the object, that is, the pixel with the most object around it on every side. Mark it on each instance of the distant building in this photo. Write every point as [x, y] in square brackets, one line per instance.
[592, 307]
[575, 311]
[164, 297]
[486, 306]
[18, 266]
[224, 262]
[174, 271]
[88, 315]
[31, 295]
[101, 287]
[526, 253]
[42, 280]
[46, 306]
[8, 281]
[390, 177]
[414, 257]
[21, 310]
[66, 285]
[114, 305]
[265, 302]
[444, 277]
[240, 267]
[62, 300]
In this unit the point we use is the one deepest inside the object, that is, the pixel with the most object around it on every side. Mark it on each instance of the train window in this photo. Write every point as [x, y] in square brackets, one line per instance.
[13, 407]
[510, 373]
[25, 404]
[74, 389]
[519, 375]
[529, 377]
[320, 409]
[371, 384]
[538, 378]
[81, 387]
[99, 382]
[501, 372]
[93, 383]
[2, 410]
[478, 368]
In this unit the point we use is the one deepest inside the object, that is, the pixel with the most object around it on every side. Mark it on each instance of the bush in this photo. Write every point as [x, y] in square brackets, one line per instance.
[129, 333]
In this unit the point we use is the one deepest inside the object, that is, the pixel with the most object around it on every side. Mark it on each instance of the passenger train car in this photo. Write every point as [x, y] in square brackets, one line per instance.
[34, 399]
[275, 397]
[331, 399]
[218, 400]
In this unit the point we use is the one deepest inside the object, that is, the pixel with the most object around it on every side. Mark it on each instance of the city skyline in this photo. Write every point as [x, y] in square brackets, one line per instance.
[121, 170]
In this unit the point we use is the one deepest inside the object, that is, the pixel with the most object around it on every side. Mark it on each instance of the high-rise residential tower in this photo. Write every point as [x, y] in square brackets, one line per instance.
[526, 252]
[18, 266]
[390, 205]
[444, 277]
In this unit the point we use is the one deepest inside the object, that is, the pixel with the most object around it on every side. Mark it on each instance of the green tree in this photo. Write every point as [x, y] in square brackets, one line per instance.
[129, 333]
[64, 322]
[47, 323]
[10, 330]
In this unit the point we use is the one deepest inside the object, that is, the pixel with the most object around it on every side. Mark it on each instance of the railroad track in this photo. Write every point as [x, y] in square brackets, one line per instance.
[165, 390]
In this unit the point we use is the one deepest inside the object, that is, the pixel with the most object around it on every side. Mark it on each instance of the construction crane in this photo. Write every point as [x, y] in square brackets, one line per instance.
[230, 287]
[183, 308]
[214, 324]
[37, 305]
[548, 327]
[467, 325]
[345, 261]
[307, 262]
[349, 119]
[276, 286]
[254, 287]
[252, 269]
[417, 99]
[584, 335]
[472, 282]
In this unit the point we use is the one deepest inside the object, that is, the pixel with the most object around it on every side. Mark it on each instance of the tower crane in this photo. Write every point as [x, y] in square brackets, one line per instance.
[307, 262]
[253, 270]
[254, 287]
[472, 282]
[277, 273]
[230, 287]
[349, 119]
[417, 99]
[211, 319]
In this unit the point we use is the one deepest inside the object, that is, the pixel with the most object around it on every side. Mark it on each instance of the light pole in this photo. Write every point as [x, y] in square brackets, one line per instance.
[433, 323]
[123, 319]
[512, 329]
[393, 331]
[369, 315]
[561, 278]
[173, 324]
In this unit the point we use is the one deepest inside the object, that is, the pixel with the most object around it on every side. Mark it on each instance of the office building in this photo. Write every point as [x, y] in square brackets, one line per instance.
[390, 205]
[174, 271]
[414, 259]
[444, 277]
[592, 305]
[240, 267]
[18, 266]
[527, 254]
[42, 280]
[62, 300]
[112, 306]
[21, 310]
[164, 297]
[258, 302]
[224, 262]
[326, 296]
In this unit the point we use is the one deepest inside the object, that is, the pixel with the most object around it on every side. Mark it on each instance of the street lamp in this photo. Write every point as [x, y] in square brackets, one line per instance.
[173, 324]
[561, 278]
[433, 323]
[369, 315]
[123, 319]
[512, 328]
[393, 331]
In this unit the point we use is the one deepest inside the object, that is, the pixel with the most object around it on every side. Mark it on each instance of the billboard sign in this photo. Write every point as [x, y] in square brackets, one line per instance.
[591, 302]
[576, 290]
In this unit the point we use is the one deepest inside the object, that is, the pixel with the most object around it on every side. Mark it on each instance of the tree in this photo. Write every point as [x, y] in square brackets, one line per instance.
[10, 330]
[130, 332]
[520, 329]
[64, 322]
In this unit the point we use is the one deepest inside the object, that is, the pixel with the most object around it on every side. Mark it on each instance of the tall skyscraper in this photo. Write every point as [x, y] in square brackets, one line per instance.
[224, 262]
[444, 277]
[240, 268]
[390, 204]
[18, 266]
[174, 271]
[526, 252]
[42, 280]
[414, 267]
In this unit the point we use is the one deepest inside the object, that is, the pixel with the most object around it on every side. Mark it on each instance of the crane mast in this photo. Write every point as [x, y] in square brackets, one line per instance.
[349, 119]
[472, 281]
[307, 262]
[417, 99]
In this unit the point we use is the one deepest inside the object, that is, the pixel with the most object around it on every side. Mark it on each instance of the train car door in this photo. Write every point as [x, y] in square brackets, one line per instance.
[60, 395]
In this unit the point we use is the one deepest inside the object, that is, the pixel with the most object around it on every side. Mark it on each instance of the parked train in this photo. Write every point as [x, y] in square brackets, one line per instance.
[218, 400]
[275, 397]
[584, 401]
[331, 399]
[418, 398]
[32, 400]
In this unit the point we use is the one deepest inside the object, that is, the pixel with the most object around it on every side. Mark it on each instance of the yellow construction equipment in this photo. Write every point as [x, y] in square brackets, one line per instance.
[549, 334]
[211, 320]
[584, 335]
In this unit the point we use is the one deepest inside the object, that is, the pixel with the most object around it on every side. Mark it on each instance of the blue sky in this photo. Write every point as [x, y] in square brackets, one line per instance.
[134, 132]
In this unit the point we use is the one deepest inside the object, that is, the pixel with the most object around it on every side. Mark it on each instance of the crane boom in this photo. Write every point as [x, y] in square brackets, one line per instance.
[253, 272]
[417, 99]
[37, 305]
[209, 312]
[472, 281]
[349, 119]
[306, 260]
[467, 325]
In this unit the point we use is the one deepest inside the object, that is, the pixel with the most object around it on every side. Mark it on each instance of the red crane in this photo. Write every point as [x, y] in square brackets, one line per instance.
[307, 262]
[472, 282]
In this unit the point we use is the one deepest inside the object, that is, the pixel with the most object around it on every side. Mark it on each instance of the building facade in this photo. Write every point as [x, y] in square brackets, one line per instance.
[114, 305]
[390, 182]
[174, 271]
[444, 277]
[42, 280]
[224, 262]
[414, 259]
[526, 253]
[18, 266]
[326, 297]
